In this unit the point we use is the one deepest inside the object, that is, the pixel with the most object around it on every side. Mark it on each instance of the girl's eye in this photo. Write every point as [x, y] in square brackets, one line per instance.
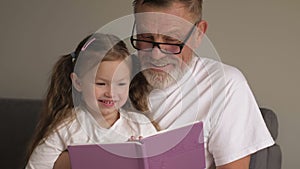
[122, 84]
[100, 84]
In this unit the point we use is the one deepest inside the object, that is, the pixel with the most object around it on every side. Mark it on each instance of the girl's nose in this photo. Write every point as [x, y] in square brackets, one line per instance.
[108, 92]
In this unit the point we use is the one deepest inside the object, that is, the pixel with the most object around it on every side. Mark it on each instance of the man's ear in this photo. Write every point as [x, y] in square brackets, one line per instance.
[76, 82]
[201, 27]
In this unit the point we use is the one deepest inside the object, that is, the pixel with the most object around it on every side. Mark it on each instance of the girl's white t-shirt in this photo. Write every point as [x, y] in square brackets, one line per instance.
[85, 130]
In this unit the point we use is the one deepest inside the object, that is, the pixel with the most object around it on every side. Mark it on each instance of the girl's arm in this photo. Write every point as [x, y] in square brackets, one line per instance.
[63, 161]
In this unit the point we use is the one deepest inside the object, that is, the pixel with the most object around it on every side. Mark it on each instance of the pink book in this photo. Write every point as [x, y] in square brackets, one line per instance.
[180, 148]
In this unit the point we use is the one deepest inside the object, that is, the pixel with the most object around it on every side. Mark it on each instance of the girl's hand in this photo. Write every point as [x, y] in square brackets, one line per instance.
[133, 138]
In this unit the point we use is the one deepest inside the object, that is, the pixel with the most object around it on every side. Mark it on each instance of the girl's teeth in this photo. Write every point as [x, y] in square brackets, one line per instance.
[108, 102]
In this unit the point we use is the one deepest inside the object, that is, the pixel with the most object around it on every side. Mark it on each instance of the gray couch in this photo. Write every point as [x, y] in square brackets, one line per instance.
[19, 117]
[268, 158]
[18, 120]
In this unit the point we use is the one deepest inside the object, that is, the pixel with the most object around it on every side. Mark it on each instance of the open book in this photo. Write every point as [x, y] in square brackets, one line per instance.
[180, 148]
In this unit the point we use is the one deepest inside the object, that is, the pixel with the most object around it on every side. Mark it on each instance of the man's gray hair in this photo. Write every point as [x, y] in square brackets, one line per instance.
[194, 6]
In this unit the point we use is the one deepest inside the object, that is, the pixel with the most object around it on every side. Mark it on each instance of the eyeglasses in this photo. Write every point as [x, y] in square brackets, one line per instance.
[167, 48]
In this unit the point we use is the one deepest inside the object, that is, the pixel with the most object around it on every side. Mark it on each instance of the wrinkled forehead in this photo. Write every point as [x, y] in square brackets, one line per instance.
[161, 23]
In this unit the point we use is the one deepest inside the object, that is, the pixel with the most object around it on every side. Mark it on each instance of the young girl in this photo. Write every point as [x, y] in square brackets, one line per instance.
[100, 81]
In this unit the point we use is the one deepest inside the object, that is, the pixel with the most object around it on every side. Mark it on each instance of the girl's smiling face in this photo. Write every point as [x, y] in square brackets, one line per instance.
[109, 91]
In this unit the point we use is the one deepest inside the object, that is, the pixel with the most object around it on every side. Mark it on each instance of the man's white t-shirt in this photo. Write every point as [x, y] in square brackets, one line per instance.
[218, 95]
[85, 130]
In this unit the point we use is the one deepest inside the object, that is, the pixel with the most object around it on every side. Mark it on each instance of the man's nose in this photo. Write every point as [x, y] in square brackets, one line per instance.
[156, 51]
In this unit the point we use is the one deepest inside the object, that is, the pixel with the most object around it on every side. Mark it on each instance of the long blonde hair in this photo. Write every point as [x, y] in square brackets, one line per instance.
[58, 104]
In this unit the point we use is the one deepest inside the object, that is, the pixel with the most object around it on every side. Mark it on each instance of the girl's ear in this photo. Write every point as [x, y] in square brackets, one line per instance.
[76, 82]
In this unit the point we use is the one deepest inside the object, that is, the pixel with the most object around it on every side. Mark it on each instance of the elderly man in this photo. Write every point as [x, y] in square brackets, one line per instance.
[183, 87]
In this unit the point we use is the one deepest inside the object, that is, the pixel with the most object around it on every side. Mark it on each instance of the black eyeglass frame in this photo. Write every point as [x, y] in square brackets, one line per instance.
[180, 45]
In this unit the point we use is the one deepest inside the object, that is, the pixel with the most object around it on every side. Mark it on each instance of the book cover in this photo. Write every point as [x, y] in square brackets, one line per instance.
[178, 148]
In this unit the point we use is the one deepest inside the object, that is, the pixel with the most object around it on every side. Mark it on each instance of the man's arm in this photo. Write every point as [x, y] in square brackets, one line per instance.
[242, 163]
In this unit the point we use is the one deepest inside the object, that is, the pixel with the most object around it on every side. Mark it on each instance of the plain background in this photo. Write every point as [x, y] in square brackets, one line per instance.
[260, 37]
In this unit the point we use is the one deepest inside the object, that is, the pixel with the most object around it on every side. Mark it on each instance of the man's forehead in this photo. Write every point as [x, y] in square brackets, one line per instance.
[160, 18]
[161, 22]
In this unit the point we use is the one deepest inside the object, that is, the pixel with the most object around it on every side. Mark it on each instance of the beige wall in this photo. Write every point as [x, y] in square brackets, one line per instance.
[260, 37]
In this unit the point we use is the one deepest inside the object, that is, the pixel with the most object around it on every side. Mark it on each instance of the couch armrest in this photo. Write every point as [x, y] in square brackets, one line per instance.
[18, 120]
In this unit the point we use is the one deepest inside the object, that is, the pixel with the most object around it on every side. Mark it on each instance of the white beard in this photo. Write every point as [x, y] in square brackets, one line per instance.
[162, 80]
